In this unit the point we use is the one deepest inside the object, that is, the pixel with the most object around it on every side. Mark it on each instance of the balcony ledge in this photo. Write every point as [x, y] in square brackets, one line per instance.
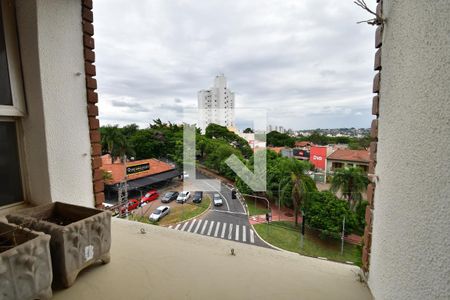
[171, 264]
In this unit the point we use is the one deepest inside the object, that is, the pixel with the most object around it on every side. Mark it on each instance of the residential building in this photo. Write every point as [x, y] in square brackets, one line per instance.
[348, 158]
[216, 105]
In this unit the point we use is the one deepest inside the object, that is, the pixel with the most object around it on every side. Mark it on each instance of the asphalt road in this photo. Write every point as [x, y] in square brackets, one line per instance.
[228, 221]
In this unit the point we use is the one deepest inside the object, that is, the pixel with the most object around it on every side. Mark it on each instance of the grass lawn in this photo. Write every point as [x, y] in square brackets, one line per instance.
[179, 213]
[255, 210]
[286, 236]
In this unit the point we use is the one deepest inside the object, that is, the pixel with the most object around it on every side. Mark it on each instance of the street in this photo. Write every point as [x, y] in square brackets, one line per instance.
[228, 221]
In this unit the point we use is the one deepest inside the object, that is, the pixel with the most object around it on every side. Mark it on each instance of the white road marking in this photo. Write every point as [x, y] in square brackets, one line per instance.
[184, 226]
[204, 227]
[217, 229]
[178, 226]
[224, 227]
[244, 233]
[211, 225]
[230, 231]
[229, 212]
[170, 227]
[192, 225]
[252, 236]
[237, 233]
[198, 226]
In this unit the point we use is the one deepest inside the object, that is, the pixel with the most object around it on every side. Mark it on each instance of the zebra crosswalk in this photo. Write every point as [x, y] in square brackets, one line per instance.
[218, 229]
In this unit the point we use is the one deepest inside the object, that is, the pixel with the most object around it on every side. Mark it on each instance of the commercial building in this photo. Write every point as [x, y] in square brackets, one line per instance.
[216, 105]
[139, 174]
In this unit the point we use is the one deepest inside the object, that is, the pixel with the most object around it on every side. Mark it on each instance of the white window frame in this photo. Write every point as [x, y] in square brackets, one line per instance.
[18, 107]
[14, 113]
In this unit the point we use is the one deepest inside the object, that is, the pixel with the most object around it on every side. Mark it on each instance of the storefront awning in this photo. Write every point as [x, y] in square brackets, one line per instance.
[149, 180]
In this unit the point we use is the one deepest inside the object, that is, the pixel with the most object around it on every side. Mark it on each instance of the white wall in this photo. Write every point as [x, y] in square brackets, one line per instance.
[56, 132]
[410, 256]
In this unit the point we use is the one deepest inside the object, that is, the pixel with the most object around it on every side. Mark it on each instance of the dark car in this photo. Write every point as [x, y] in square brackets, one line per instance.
[169, 196]
[198, 197]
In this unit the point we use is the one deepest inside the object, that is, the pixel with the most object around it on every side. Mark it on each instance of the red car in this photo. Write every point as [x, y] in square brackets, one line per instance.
[150, 196]
[132, 205]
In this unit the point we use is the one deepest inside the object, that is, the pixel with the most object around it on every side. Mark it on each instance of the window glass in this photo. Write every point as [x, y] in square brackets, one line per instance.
[10, 178]
[5, 89]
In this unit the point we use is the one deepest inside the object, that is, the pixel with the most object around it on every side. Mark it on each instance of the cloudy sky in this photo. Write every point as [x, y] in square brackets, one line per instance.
[306, 62]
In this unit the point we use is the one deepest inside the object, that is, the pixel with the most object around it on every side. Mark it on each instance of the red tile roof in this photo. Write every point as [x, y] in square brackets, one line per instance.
[303, 144]
[117, 169]
[276, 149]
[350, 155]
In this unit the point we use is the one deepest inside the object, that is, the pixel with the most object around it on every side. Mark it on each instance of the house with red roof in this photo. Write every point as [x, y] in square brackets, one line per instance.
[348, 158]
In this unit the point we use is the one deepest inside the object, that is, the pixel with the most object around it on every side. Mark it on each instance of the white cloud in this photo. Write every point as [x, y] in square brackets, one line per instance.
[305, 59]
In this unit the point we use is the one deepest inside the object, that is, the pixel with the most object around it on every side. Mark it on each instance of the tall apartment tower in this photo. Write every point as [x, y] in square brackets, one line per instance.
[216, 104]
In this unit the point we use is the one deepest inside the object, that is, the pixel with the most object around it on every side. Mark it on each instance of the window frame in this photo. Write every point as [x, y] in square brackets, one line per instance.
[14, 113]
[18, 107]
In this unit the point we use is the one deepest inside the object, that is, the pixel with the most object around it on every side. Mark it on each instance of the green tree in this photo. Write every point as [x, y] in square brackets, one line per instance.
[277, 139]
[326, 212]
[214, 131]
[114, 142]
[248, 130]
[351, 182]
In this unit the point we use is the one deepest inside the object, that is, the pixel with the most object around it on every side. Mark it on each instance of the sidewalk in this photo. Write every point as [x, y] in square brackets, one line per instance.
[285, 214]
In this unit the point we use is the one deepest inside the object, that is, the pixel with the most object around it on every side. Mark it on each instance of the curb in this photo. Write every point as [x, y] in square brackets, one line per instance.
[197, 216]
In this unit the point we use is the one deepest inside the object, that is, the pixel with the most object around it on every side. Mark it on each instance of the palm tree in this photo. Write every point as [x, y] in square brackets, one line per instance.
[299, 192]
[351, 181]
[114, 142]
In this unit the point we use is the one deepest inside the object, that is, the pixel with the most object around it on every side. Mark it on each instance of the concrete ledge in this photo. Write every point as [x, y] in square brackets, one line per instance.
[172, 264]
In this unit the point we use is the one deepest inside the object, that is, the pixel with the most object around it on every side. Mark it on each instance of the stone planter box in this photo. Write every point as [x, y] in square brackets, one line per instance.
[80, 236]
[25, 264]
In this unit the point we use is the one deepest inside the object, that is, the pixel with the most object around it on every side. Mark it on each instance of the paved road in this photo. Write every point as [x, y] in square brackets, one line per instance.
[228, 221]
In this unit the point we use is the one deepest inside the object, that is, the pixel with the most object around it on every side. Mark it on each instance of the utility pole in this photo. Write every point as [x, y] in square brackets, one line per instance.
[342, 236]
[123, 189]
[302, 230]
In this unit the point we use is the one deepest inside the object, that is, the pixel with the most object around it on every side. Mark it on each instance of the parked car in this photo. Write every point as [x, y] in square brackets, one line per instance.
[169, 196]
[149, 196]
[198, 197]
[217, 199]
[183, 197]
[132, 205]
[159, 213]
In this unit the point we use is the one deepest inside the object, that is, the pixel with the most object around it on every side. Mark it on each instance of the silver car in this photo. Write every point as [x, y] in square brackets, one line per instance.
[217, 199]
[159, 213]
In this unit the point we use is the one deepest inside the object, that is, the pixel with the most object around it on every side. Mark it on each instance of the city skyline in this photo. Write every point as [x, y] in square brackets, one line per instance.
[282, 57]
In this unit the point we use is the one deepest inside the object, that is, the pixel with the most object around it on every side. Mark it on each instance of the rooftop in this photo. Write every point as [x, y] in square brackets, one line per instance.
[303, 144]
[118, 169]
[172, 264]
[350, 155]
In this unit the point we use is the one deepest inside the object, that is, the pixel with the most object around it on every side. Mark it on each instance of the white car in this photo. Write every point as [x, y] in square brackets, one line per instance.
[183, 197]
[185, 175]
[217, 199]
[159, 213]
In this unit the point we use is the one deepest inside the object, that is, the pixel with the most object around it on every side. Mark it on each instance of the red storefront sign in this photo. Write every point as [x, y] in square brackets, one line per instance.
[318, 157]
